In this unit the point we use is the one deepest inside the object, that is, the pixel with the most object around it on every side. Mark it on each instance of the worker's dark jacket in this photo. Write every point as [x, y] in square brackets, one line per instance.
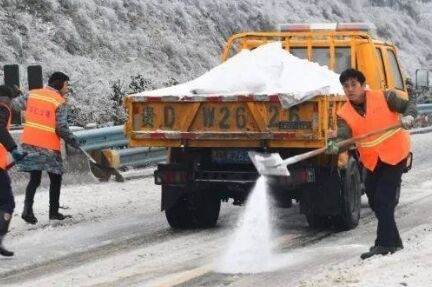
[5, 138]
[7, 201]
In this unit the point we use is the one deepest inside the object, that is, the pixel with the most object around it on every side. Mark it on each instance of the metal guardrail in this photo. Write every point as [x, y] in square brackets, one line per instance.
[137, 156]
[102, 138]
[107, 147]
[121, 158]
[424, 115]
[424, 108]
[112, 141]
[417, 131]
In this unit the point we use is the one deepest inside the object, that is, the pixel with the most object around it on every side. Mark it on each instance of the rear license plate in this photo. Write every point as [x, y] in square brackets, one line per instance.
[230, 156]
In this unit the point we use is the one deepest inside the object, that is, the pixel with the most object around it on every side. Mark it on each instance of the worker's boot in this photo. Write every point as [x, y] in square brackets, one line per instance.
[28, 214]
[380, 250]
[398, 245]
[54, 214]
[373, 246]
[5, 219]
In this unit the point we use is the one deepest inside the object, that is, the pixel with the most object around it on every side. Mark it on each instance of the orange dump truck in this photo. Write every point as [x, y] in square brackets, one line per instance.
[208, 136]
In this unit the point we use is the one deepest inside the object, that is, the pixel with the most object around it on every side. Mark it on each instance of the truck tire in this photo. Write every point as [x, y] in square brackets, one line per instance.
[198, 209]
[178, 215]
[350, 197]
[317, 221]
[206, 208]
[319, 201]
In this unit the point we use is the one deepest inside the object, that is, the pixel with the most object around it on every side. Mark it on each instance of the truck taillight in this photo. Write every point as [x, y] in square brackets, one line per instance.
[170, 177]
[295, 27]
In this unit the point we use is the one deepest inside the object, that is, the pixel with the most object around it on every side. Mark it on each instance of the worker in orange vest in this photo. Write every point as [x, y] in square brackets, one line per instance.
[7, 144]
[45, 125]
[384, 156]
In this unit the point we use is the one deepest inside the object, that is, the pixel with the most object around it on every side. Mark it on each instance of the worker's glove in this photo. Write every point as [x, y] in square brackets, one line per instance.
[407, 122]
[332, 148]
[17, 155]
[74, 142]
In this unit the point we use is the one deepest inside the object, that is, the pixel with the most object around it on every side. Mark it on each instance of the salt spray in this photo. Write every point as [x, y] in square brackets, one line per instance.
[250, 249]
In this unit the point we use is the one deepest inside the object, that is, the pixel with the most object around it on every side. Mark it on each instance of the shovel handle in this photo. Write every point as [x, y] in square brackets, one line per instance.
[88, 156]
[315, 152]
[12, 164]
[9, 166]
[366, 135]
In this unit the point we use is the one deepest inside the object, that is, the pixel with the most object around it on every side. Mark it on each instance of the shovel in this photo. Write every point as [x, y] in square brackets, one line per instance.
[13, 163]
[9, 166]
[114, 171]
[273, 165]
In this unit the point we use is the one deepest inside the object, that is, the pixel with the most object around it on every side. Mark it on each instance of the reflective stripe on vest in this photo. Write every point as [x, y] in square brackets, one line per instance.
[45, 99]
[378, 140]
[391, 147]
[40, 125]
[4, 160]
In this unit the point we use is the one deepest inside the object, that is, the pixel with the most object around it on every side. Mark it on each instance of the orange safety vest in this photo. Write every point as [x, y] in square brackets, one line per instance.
[40, 126]
[4, 159]
[392, 146]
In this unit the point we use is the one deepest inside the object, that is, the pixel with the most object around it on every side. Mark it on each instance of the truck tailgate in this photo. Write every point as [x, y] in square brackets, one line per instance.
[228, 121]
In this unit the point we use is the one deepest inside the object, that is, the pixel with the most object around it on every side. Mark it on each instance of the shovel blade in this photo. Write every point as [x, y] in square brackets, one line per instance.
[268, 164]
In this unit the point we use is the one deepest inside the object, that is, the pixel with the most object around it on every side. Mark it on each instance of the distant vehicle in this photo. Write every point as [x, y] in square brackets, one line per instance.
[208, 138]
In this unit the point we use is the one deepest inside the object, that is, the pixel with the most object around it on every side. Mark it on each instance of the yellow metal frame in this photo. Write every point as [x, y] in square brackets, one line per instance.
[291, 38]
[363, 50]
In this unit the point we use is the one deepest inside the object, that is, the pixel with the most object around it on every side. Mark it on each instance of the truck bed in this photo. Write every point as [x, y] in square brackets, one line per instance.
[243, 121]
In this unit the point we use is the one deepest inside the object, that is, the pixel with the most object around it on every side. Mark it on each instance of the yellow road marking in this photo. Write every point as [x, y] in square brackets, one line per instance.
[185, 276]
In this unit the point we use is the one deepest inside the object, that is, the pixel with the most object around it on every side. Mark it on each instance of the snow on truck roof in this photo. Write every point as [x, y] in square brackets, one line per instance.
[266, 70]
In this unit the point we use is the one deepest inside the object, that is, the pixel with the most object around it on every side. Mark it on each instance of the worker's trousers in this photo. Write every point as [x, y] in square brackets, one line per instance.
[383, 189]
[54, 190]
[7, 202]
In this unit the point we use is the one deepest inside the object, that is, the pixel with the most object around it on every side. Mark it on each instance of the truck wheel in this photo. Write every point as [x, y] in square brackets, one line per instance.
[178, 216]
[350, 197]
[316, 221]
[206, 208]
[194, 210]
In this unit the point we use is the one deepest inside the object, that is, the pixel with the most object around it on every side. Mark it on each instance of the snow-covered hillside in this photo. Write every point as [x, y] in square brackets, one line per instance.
[102, 43]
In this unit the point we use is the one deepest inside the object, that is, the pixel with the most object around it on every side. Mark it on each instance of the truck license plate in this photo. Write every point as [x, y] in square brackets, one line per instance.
[230, 156]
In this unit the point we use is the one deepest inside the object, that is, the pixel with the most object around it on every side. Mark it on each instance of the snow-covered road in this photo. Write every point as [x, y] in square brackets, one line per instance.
[119, 237]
